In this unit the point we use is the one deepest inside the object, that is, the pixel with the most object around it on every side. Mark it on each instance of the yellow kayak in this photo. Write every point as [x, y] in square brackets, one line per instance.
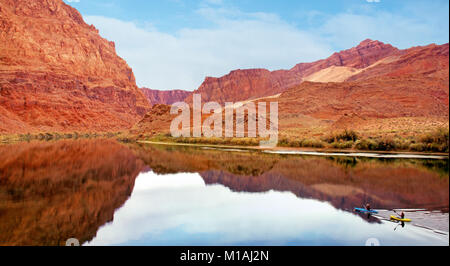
[400, 219]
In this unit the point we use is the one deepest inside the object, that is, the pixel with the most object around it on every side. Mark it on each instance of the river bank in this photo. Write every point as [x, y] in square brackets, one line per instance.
[312, 151]
[235, 143]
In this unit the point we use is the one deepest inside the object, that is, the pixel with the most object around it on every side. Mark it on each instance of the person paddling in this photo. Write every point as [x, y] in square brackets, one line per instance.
[402, 215]
[368, 207]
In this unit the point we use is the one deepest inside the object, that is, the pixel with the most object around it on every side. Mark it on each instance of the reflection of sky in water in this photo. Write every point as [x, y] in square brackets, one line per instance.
[180, 209]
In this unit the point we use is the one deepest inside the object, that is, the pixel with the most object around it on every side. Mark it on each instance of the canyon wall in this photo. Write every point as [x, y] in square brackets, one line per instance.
[165, 97]
[58, 74]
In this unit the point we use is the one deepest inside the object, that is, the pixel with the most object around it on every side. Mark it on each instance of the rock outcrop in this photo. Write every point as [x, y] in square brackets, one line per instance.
[165, 97]
[156, 121]
[423, 61]
[403, 94]
[58, 74]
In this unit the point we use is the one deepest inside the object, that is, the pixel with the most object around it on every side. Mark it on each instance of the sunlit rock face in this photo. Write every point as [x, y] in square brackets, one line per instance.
[58, 74]
[245, 84]
[373, 88]
[50, 192]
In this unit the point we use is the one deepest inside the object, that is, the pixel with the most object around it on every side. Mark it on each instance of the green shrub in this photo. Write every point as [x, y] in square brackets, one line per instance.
[439, 136]
[417, 147]
[386, 144]
[295, 143]
[313, 143]
[283, 142]
[346, 135]
[342, 144]
[366, 144]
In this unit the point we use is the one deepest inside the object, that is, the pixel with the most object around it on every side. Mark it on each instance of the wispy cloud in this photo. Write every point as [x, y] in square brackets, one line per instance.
[417, 25]
[236, 39]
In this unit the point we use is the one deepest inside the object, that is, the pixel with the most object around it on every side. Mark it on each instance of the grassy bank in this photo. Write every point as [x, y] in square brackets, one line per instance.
[436, 141]
[208, 141]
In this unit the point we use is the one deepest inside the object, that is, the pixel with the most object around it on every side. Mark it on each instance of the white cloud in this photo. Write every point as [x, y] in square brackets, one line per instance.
[73, 1]
[236, 40]
[162, 204]
[346, 29]
[373, 1]
[180, 209]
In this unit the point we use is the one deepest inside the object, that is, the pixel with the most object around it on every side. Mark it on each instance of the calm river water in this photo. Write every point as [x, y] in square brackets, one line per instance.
[106, 193]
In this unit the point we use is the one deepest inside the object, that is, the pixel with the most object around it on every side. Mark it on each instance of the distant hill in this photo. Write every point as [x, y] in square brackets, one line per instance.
[165, 97]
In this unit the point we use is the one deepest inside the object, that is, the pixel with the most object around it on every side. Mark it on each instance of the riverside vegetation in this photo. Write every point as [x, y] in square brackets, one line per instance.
[435, 141]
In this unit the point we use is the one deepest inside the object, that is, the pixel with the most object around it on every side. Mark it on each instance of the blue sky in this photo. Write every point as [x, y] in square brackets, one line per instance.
[175, 44]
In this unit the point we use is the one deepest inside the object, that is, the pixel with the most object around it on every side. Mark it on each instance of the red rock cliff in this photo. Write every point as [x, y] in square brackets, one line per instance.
[241, 85]
[165, 97]
[58, 74]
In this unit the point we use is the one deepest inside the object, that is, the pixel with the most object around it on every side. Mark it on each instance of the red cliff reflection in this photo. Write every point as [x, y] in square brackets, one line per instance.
[345, 183]
[50, 192]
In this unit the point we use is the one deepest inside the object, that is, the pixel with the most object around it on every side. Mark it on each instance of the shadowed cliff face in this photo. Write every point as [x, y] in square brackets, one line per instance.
[165, 97]
[345, 183]
[50, 192]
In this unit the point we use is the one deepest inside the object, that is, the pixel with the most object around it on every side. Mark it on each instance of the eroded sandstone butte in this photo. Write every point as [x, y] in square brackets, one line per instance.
[58, 74]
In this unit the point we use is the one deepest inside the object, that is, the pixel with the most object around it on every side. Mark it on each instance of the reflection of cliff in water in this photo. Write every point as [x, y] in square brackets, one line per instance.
[50, 192]
[386, 184]
[339, 196]
[438, 166]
